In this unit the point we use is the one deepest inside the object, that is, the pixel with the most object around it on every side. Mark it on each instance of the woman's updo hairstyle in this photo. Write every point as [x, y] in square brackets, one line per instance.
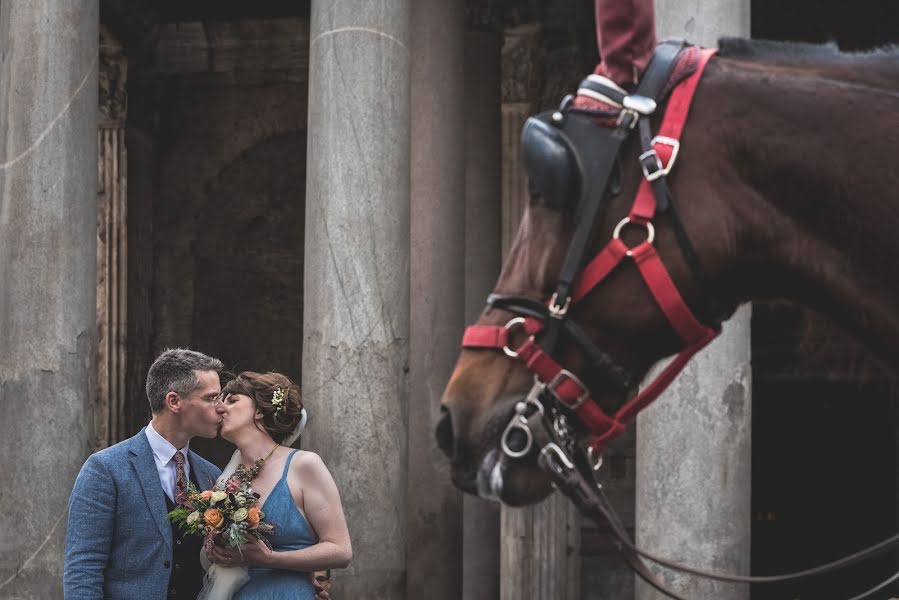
[275, 395]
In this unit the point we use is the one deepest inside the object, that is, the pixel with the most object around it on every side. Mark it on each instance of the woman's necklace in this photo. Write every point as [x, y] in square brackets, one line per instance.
[247, 475]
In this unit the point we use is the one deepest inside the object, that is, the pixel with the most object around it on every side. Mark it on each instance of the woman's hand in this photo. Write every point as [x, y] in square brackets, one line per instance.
[252, 554]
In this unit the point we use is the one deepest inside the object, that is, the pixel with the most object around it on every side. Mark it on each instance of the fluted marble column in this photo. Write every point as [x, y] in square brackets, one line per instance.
[694, 446]
[112, 245]
[48, 229]
[356, 281]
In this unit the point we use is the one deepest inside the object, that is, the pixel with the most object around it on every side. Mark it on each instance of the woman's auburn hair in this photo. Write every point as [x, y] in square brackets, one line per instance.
[261, 387]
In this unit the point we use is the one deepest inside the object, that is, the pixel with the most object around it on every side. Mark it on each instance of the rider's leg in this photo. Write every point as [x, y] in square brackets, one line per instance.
[626, 34]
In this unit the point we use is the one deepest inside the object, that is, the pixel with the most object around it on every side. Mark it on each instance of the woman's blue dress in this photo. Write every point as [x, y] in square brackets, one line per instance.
[292, 532]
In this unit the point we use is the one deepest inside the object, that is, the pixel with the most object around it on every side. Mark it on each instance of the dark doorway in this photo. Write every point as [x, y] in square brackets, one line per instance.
[859, 25]
[824, 464]
[228, 183]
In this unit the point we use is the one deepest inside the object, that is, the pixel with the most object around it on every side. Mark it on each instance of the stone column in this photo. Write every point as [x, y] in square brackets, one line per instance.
[112, 245]
[694, 443]
[437, 172]
[356, 281]
[48, 231]
[540, 555]
[483, 259]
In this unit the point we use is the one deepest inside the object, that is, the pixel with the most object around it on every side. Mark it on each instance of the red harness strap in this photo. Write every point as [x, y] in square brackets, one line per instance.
[566, 387]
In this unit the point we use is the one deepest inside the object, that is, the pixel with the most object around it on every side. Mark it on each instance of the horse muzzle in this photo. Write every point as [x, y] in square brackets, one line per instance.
[479, 462]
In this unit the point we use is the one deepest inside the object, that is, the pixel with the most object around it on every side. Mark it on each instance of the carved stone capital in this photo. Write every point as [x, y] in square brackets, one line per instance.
[563, 73]
[113, 97]
[251, 51]
[522, 63]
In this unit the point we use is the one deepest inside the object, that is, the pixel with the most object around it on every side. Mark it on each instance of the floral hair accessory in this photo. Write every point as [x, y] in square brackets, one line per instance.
[278, 401]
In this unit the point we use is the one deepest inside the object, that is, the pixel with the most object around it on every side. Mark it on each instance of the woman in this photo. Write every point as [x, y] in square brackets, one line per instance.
[296, 492]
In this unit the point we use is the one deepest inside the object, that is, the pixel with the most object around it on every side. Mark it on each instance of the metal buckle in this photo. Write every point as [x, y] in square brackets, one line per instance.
[508, 327]
[555, 310]
[650, 231]
[675, 148]
[627, 112]
[561, 376]
[659, 170]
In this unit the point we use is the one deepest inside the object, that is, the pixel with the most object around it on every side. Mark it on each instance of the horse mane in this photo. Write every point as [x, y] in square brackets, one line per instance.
[769, 50]
[885, 59]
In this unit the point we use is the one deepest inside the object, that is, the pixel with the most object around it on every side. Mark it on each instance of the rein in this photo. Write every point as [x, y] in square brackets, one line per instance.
[574, 475]
[566, 154]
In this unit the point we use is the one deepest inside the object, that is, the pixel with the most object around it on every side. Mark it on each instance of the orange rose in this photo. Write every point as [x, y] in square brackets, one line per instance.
[205, 494]
[253, 517]
[213, 517]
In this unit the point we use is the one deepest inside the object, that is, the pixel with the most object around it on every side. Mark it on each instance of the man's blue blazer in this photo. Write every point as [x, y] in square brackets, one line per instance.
[118, 539]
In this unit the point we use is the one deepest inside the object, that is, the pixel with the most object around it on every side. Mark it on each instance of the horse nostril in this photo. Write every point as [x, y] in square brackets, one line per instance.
[444, 433]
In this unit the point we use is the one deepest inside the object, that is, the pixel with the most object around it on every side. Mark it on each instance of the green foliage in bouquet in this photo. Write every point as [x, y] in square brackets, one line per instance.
[228, 513]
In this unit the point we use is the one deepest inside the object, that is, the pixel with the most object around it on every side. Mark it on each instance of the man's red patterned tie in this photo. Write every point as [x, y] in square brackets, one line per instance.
[180, 479]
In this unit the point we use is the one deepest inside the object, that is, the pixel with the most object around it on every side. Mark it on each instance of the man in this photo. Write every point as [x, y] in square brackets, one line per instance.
[119, 542]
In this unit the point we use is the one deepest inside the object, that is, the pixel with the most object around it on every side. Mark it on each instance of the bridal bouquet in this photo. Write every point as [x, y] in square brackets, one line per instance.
[227, 513]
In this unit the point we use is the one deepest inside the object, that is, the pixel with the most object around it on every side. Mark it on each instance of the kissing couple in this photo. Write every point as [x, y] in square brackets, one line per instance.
[120, 543]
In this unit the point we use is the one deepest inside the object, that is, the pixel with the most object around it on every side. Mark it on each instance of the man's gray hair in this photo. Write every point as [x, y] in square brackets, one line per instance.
[175, 371]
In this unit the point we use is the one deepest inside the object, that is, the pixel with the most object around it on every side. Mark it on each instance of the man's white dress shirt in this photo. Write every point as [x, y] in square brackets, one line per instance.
[163, 452]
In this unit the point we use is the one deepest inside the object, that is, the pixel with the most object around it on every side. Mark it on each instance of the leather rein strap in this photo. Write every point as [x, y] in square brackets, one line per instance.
[575, 477]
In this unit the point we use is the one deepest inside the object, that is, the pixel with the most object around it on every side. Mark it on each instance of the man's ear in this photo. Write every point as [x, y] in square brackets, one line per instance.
[173, 402]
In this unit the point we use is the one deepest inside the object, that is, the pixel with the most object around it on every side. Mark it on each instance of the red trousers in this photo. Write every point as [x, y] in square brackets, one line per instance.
[626, 34]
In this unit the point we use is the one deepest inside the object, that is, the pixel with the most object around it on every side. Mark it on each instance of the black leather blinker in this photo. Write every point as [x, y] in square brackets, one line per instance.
[550, 162]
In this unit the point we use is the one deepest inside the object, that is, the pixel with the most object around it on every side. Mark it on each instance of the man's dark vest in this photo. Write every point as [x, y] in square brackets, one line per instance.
[187, 573]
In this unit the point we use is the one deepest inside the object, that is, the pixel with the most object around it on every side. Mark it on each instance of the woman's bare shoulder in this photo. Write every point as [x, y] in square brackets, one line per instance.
[307, 464]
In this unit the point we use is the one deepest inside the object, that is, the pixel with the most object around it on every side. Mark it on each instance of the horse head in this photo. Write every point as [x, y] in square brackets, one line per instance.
[739, 187]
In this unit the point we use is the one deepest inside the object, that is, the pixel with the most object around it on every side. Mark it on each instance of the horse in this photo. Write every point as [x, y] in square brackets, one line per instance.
[784, 187]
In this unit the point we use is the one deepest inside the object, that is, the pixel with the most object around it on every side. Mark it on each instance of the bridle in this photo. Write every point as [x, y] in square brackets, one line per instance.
[561, 420]
[566, 145]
